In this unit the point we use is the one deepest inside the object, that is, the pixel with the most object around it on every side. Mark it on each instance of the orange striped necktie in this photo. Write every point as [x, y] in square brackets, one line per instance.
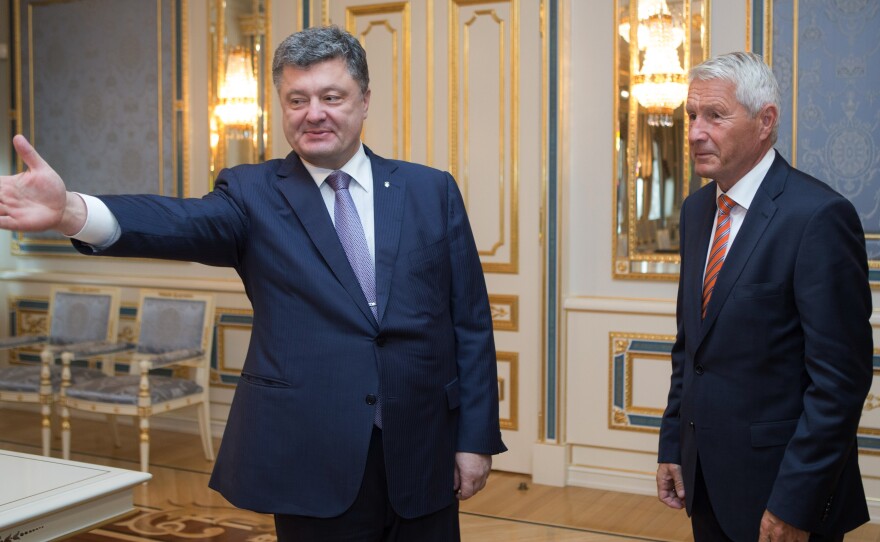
[719, 248]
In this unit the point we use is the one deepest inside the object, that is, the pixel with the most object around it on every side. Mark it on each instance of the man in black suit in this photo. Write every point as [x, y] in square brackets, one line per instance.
[772, 360]
[368, 404]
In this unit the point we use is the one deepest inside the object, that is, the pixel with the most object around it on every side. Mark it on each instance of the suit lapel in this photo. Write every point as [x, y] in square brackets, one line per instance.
[304, 196]
[757, 219]
[698, 248]
[388, 197]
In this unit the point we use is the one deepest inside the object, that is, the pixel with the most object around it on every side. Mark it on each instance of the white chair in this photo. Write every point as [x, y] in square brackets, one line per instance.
[79, 317]
[174, 332]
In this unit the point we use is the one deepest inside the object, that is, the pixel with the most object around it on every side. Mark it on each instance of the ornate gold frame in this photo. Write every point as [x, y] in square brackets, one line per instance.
[654, 264]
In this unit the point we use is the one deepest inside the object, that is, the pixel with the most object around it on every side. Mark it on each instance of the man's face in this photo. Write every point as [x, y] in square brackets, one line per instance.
[725, 141]
[324, 110]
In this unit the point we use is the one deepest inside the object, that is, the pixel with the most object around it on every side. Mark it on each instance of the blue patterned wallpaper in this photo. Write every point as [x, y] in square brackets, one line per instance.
[827, 60]
[98, 97]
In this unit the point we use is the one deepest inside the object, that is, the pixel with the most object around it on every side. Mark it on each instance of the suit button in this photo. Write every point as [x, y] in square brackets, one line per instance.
[380, 340]
[698, 369]
[370, 399]
[691, 424]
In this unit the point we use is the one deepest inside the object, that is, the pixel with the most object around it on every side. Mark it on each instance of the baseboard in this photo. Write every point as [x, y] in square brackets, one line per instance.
[644, 484]
[610, 480]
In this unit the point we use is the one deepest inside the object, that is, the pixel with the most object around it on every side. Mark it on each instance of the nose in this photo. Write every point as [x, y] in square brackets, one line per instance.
[316, 111]
[696, 132]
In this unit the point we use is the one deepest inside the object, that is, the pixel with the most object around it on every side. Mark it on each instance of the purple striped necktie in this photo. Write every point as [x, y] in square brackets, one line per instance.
[719, 248]
[351, 234]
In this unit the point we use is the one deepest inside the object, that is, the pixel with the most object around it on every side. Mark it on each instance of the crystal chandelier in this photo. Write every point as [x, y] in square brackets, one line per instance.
[660, 86]
[237, 108]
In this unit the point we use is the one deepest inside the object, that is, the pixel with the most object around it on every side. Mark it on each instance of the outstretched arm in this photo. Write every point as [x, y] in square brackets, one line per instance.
[36, 199]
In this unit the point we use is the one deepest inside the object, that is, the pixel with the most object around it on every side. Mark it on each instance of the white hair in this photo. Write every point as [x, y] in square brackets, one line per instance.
[755, 83]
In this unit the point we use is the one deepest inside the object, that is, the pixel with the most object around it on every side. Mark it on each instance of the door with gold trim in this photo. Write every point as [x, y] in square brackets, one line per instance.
[456, 85]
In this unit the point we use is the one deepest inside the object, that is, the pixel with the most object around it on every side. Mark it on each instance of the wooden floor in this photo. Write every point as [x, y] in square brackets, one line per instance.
[510, 509]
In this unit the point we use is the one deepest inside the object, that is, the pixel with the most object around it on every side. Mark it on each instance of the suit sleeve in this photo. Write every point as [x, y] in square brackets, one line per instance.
[670, 425]
[478, 429]
[210, 230]
[833, 300]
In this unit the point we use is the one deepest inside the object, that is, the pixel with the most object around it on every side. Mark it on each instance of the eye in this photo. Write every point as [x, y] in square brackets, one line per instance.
[332, 98]
[297, 102]
[692, 116]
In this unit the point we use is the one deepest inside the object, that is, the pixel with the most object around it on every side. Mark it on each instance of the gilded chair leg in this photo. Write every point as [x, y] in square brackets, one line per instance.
[66, 358]
[46, 396]
[205, 430]
[145, 444]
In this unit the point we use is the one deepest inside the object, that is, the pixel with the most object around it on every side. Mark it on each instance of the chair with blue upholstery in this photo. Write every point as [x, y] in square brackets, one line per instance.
[169, 369]
[79, 317]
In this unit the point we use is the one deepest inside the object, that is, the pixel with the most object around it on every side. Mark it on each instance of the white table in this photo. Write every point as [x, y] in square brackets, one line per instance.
[44, 499]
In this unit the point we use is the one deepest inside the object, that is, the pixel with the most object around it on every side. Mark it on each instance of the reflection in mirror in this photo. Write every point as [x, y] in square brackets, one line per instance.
[653, 170]
[239, 83]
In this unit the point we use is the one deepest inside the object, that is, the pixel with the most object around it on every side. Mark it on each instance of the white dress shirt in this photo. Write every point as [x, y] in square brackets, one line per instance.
[102, 229]
[742, 192]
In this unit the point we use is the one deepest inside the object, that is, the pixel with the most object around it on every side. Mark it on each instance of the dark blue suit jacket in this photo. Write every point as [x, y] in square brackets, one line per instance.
[298, 431]
[768, 389]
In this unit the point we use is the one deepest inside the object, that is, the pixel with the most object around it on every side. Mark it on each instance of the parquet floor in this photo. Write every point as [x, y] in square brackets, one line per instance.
[510, 509]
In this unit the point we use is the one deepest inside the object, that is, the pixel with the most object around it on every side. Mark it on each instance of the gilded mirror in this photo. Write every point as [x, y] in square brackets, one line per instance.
[240, 85]
[653, 173]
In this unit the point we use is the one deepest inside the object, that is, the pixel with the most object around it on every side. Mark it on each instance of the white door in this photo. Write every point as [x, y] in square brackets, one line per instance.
[456, 85]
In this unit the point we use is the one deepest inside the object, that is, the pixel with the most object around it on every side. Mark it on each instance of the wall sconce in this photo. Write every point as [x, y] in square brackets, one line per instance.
[237, 109]
[240, 88]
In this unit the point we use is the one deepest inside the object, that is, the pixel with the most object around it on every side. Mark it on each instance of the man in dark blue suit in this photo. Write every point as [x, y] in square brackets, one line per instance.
[367, 405]
[772, 360]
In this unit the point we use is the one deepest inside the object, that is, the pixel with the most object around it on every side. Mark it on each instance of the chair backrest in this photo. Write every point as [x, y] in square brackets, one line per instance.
[83, 314]
[174, 320]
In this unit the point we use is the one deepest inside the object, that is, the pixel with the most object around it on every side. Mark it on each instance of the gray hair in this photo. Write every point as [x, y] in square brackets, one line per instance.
[755, 83]
[318, 44]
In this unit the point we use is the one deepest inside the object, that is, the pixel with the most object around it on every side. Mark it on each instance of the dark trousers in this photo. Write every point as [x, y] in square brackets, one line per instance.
[371, 518]
[705, 524]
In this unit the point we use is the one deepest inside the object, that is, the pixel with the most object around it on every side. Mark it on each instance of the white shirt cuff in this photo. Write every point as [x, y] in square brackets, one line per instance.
[101, 228]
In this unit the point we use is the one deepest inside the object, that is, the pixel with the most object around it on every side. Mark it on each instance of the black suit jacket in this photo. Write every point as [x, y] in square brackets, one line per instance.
[299, 427]
[768, 389]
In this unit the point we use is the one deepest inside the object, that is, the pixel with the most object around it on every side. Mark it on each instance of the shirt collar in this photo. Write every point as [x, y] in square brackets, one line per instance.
[358, 167]
[744, 190]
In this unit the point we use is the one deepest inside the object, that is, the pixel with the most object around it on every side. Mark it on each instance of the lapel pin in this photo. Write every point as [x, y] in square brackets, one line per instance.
[387, 184]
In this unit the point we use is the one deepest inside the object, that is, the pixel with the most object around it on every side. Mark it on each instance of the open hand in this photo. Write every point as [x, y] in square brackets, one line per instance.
[36, 199]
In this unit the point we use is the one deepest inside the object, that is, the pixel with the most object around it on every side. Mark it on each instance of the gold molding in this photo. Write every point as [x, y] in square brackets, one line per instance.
[19, 112]
[768, 32]
[403, 9]
[455, 98]
[618, 344]
[507, 312]
[512, 358]
[220, 346]
[748, 25]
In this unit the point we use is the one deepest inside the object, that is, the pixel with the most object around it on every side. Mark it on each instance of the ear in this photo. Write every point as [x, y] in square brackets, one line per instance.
[768, 117]
[366, 102]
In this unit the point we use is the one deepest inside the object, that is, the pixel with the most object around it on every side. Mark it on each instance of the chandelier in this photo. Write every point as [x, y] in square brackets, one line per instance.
[237, 108]
[660, 86]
